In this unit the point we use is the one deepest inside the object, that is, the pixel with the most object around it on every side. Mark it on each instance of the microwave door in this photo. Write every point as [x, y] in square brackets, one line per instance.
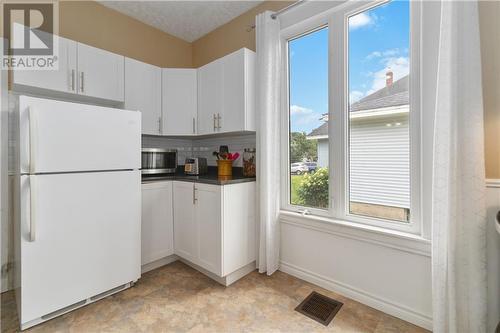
[159, 161]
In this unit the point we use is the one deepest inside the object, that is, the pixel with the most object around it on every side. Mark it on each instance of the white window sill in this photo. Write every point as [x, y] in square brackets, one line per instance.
[384, 237]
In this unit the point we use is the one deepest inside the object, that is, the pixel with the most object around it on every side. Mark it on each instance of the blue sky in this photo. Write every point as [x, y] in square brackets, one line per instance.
[378, 40]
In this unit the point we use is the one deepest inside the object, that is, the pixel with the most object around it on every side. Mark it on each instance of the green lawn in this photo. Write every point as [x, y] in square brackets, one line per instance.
[295, 183]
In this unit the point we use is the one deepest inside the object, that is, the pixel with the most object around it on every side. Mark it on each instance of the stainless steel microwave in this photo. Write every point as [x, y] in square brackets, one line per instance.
[158, 161]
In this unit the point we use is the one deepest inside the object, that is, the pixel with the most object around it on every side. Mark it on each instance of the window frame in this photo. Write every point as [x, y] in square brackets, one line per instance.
[336, 20]
[297, 31]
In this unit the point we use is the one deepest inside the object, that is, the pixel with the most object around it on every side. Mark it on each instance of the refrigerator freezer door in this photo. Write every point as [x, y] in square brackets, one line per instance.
[60, 136]
[86, 238]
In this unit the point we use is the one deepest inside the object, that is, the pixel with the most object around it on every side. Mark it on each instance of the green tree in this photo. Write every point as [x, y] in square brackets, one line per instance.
[301, 148]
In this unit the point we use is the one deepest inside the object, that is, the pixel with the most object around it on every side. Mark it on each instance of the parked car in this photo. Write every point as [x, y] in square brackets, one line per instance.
[299, 168]
[312, 166]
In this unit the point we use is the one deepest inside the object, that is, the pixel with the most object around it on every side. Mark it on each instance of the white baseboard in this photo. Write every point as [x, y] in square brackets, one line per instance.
[158, 263]
[225, 280]
[361, 296]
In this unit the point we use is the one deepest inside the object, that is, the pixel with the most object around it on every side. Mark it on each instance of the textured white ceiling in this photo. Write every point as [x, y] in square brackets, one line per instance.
[188, 20]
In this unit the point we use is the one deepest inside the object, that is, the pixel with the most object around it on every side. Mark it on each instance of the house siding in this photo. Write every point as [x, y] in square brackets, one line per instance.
[323, 153]
[379, 160]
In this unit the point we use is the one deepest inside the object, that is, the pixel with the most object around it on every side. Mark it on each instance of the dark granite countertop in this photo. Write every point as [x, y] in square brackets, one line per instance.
[210, 178]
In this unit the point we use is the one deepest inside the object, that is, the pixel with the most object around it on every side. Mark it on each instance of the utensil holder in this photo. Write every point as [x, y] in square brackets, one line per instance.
[224, 168]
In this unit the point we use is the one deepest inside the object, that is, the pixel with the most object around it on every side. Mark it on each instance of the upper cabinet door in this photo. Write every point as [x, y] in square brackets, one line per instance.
[143, 93]
[210, 96]
[100, 73]
[238, 102]
[233, 117]
[179, 102]
[63, 79]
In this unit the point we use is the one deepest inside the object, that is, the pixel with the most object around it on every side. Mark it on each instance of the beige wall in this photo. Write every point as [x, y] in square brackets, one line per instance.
[93, 24]
[489, 12]
[231, 36]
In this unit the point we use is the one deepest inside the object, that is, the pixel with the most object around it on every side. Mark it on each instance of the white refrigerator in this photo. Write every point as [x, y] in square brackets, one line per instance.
[79, 220]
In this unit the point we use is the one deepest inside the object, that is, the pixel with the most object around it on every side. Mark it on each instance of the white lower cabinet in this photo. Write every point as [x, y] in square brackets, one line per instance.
[214, 225]
[208, 219]
[185, 233]
[157, 222]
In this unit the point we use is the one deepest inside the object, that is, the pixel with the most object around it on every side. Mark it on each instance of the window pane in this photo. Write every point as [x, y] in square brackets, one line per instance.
[379, 139]
[308, 111]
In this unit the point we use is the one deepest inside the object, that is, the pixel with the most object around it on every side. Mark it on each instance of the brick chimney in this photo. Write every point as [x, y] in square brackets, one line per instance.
[389, 77]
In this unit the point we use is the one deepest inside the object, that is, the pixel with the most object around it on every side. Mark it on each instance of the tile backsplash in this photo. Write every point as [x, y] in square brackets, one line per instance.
[237, 143]
[203, 147]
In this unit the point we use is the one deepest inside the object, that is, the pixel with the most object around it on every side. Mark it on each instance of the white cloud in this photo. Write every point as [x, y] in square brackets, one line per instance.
[360, 20]
[386, 53]
[303, 117]
[295, 109]
[355, 96]
[400, 66]
[374, 54]
[390, 52]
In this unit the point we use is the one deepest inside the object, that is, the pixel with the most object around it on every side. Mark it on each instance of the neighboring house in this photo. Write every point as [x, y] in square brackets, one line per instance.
[379, 146]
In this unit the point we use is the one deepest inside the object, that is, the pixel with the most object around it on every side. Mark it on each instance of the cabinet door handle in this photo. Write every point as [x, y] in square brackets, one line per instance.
[159, 125]
[194, 194]
[218, 121]
[72, 84]
[215, 122]
[82, 78]
[194, 128]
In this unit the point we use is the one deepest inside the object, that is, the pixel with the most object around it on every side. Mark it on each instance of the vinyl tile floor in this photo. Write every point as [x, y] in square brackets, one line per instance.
[177, 298]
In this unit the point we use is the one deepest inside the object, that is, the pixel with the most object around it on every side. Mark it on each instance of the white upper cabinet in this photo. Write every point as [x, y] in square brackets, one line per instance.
[100, 73]
[63, 79]
[179, 101]
[143, 93]
[82, 70]
[238, 86]
[226, 94]
[210, 96]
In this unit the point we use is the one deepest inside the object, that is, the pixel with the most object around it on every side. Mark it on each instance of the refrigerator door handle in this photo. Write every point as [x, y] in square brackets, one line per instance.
[33, 190]
[33, 142]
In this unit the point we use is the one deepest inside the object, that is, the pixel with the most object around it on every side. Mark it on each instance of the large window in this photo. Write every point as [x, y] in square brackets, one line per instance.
[352, 158]
[308, 105]
[378, 120]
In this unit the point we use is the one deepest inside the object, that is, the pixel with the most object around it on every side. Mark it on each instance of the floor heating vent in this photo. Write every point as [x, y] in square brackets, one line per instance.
[319, 307]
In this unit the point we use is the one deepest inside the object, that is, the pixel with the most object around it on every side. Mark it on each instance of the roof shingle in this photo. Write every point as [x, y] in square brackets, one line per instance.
[393, 95]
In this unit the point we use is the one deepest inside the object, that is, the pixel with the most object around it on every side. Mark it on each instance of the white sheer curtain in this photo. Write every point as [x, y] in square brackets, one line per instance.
[267, 106]
[459, 208]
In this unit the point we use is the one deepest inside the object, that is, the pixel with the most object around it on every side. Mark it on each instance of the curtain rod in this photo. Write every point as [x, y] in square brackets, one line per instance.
[279, 12]
[287, 8]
